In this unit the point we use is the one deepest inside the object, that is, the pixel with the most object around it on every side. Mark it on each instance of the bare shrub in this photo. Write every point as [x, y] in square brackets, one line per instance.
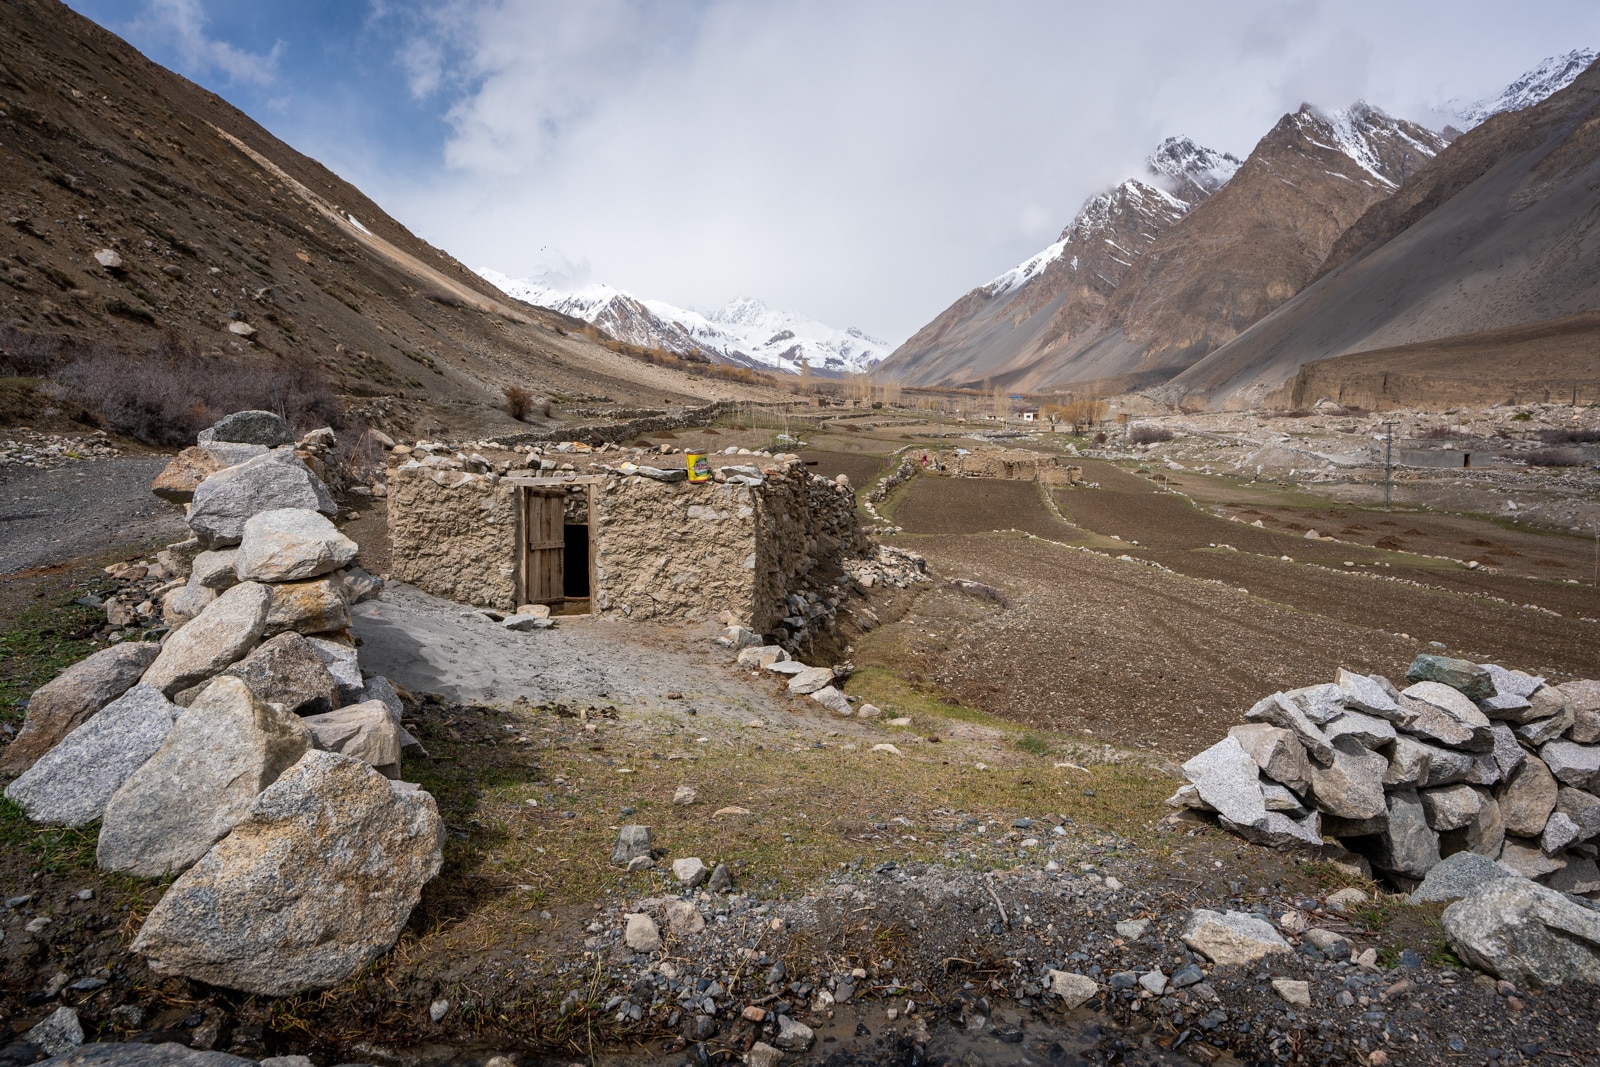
[1569, 437]
[1146, 434]
[1553, 457]
[518, 402]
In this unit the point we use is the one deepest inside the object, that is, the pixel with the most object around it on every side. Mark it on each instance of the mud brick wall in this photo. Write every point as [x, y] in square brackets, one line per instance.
[455, 534]
[1008, 463]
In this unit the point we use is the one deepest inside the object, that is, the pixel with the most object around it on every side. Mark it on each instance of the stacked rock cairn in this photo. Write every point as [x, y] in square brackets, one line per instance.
[245, 754]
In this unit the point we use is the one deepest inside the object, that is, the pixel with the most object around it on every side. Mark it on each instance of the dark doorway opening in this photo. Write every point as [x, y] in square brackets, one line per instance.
[575, 578]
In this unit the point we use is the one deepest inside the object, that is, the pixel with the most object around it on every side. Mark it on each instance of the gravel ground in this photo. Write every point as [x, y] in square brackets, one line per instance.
[82, 508]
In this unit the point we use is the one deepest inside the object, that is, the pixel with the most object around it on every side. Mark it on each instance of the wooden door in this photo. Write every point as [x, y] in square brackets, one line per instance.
[544, 544]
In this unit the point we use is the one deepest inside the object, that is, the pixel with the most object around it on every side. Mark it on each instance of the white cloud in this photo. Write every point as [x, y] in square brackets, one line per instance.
[867, 162]
[181, 26]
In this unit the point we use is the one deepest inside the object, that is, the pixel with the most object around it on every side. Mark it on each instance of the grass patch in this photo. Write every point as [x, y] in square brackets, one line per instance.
[44, 640]
[922, 705]
[55, 848]
[1033, 744]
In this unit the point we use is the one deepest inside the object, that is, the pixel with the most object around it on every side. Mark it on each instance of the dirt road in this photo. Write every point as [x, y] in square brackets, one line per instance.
[81, 509]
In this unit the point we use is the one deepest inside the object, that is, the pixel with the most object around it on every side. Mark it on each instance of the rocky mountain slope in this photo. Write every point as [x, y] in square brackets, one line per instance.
[1195, 278]
[743, 333]
[1546, 79]
[1006, 330]
[141, 212]
[1496, 233]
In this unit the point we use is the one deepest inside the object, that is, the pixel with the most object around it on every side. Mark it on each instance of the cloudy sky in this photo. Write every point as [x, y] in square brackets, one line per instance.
[862, 162]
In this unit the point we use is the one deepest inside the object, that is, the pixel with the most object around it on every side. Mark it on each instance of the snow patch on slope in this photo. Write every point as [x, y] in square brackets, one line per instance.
[1550, 76]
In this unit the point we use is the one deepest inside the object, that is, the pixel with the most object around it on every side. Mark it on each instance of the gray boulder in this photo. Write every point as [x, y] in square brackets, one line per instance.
[365, 731]
[1529, 860]
[1450, 807]
[1370, 730]
[1459, 875]
[341, 659]
[289, 545]
[226, 500]
[1508, 755]
[1512, 690]
[59, 1032]
[316, 881]
[287, 670]
[221, 635]
[1559, 832]
[1464, 676]
[1322, 704]
[1548, 727]
[1281, 830]
[1527, 798]
[834, 700]
[1442, 713]
[382, 690]
[359, 586]
[1573, 764]
[1583, 700]
[215, 569]
[1351, 787]
[1278, 710]
[1414, 762]
[810, 680]
[1542, 703]
[1232, 937]
[1581, 875]
[1278, 752]
[633, 842]
[222, 752]
[1483, 834]
[71, 784]
[1228, 779]
[66, 702]
[310, 607]
[1526, 934]
[1407, 845]
[131, 1054]
[250, 428]
[179, 607]
[1582, 808]
[1364, 693]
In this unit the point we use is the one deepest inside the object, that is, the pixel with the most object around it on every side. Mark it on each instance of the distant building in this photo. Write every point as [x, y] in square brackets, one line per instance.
[1031, 415]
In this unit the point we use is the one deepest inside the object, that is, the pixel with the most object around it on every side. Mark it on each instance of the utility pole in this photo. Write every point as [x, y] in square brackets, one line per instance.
[1388, 466]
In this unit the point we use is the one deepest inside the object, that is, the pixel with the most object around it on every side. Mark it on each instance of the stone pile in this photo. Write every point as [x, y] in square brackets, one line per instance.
[245, 753]
[43, 451]
[1467, 758]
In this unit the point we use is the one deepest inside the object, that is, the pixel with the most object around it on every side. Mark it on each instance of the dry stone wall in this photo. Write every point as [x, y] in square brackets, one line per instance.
[454, 533]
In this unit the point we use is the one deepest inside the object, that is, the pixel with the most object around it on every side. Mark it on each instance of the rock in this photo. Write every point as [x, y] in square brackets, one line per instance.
[1547, 728]
[1347, 898]
[167, 1054]
[71, 784]
[1450, 807]
[69, 700]
[222, 752]
[1463, 676]
[1508, 755]
[868, 711]
[527, 623]
[317, 881]
[1293, 991]
[641, 933]
[181, 606]
[1484, 834]
[1512, 692]
[312, 607]
[1583, 701]
[1412, 762]
[835, 701]
[1528, 859]
[1187, 975]
[787, 667]
[289, 545]
[683, 918]
[1279, 830]
[1459, 875]
[1228, 779]
[365, 731]
[810, 680]
[108, 259]
[1527, 798]
[360, 587]
[632, 842]
[1369, 730]
[1527, 934]
[762, 656]
[1573, 764]
[1133, 929]
[184, 472]
[287, 670]
[1278, 752]
[222, 634]
[691, 872]
[1365, 694]
[1581, 875]
[1484, 770]
[1154, 981]
[342, 661]
[721, 879]
[685, 795]
[228, 499]
[1542, 703]
[1322, 704]
[793, 1036]
[1442, 713]
[762, 1054]
[1406, 846]
[1334, 946]
[1582, 808]
[1279, 711]
[215, 569]
[438, 1010]
[1282, 799]
[1559, 832]
[1351, 787]
[1231, 937]
[253, 428]
[60, 1032]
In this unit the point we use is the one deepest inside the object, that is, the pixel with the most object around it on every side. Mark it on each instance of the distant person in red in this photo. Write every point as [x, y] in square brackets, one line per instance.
[924, 460]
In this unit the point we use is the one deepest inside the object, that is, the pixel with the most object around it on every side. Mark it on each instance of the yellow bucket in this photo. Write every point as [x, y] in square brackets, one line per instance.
[698, 465]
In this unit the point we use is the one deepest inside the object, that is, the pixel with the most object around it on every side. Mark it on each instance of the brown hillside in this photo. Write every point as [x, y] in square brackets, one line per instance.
[217, 222]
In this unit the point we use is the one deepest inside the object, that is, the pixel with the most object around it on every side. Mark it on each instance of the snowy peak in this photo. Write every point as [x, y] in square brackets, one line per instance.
[1189, 171]
[744, 332]
[1387, 149]
[1547, 78]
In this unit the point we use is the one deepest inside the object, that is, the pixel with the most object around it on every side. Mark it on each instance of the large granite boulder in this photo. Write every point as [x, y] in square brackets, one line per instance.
[71, 784]
[317, 880]
[1526, 934]
[1279, 710]
[228, 628]
[1527, 798]
[66, 702]
[228, 499]
[341, 659]
[138, 1054]
[287, 670]
[250, 428]
[1229, 780]
[1406, 845]
[1573, 764]
[1464, 676]
[365, 731]
[1583, 700]
[1459, 875]
[1230, 937]
[185, 471]
[222, 752]
[1278, 752]
[291, 544]
[1351, 786]
[311, 607]
[1442, 714]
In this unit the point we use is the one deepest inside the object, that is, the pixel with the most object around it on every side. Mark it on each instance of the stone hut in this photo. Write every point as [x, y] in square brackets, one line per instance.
[1016, 464]
[630, 541]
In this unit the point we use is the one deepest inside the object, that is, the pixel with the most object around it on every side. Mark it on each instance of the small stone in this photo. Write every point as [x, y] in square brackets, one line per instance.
[59, 1033]
[1154, 981]
[762, 1054]
[685, 795]
[691, 872]
[641, 933]
[438, 1010]
[1187, 975]
[632, 842]
[683, 918]
[1231, 937]
[793, 1036]
[1345, 899]
[835, 701]
[1294, 993]
[1133, 929]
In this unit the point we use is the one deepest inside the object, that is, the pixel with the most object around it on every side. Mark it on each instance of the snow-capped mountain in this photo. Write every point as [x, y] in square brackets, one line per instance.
[744, 332]
[1549, 77]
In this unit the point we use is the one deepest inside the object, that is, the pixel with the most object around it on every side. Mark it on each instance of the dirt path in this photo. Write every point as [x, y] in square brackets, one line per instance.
[84, 508]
